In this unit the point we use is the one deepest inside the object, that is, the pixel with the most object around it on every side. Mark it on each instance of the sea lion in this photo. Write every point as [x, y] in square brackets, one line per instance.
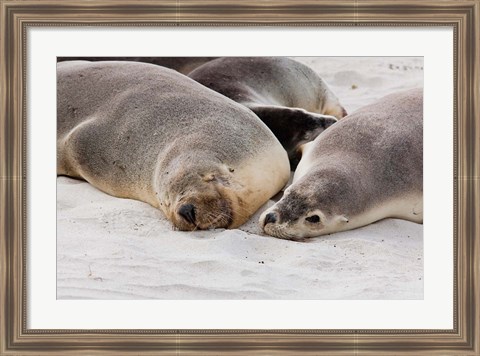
[182, 65]
[367, 167]
[145, 132]
[289, 97]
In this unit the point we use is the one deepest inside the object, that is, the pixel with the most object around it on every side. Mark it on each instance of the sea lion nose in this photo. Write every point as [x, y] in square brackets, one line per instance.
[270, 218]
[187, 211]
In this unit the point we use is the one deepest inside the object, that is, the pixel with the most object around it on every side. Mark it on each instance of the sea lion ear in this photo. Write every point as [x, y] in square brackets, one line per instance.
[211, 177]
[344, 218]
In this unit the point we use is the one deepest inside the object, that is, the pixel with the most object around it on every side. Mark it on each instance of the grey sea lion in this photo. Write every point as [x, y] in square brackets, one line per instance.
[367, 167]
[289, 97]
[145, 132]
[182, 65]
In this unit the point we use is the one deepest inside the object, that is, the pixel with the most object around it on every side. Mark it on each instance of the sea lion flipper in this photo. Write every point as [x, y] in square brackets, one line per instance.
[292, 126]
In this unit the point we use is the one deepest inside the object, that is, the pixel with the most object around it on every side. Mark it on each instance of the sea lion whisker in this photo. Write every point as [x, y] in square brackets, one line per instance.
[214, 218]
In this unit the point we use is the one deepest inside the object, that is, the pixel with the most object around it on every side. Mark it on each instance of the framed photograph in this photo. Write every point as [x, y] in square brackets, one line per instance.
[102, 258]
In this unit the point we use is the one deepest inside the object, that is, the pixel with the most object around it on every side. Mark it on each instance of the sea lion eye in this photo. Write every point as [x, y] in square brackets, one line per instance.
[209, 177]
[313, 219]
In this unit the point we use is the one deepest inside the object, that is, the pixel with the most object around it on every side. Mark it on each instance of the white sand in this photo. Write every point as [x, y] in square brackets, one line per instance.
[110, 248]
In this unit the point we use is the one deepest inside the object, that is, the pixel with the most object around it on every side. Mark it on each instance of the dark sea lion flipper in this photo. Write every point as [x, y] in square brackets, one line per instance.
[293, 127]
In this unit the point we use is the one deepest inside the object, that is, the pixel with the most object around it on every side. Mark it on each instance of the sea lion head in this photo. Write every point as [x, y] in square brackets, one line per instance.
[332, 106]
[201, 196]
[308, 208]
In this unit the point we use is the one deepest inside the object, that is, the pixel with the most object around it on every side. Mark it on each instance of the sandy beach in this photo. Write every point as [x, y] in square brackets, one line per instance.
[111, 248]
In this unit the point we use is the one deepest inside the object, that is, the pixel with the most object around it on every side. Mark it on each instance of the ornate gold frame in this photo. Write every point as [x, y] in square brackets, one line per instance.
[462, 15]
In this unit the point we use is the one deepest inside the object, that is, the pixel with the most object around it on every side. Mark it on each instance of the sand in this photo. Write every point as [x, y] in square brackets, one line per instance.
[111, 248]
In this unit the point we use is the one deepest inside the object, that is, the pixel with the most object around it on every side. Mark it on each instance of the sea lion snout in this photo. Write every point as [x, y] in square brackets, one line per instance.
[270, 218]
[272, 224]
[203, 211]
[187, 212]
